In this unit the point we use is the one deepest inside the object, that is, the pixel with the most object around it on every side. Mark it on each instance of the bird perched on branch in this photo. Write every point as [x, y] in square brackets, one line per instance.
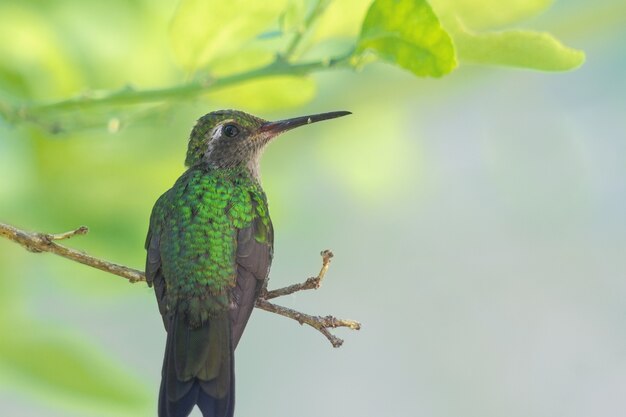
[210, 246]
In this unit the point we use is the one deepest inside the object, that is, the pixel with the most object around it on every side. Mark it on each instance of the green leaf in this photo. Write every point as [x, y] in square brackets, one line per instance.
[266, 94]
[488, 14]
[242, 60]
[517, 48]
[202, 30]
[408, 33]
[35, 63]
[12, 82]
[63, 369]
[341, 19]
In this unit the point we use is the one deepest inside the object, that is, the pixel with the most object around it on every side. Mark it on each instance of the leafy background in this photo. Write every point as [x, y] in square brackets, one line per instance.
[477, 218]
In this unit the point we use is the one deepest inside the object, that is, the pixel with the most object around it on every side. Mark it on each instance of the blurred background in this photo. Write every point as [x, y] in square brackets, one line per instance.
[477, 222]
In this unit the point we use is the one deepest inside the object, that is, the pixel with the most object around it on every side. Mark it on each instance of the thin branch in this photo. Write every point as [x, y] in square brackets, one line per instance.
[82, 230]
[44, 242]
[128, 95]
[312, 283]
[322, 324]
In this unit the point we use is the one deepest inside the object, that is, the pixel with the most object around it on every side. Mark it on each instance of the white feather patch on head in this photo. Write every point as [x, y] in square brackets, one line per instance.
[217, 132]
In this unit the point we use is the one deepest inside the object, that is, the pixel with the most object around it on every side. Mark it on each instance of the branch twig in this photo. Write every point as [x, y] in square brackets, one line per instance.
[44, 242]
[29, 112]
[322, 324]
[312, 283]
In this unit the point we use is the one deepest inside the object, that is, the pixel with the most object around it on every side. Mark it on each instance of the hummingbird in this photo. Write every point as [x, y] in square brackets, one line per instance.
[209, 250]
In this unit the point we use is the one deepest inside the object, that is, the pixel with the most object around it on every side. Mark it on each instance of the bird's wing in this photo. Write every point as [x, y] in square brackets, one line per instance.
[154, 270]
[255, 245]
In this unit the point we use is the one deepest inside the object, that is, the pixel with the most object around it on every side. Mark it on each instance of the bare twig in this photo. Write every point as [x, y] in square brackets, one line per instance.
[312, 283]
[82, 230]
[322, 324]
[44, 242]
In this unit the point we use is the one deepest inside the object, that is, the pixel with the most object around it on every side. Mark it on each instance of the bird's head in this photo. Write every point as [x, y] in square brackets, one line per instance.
[232, 138]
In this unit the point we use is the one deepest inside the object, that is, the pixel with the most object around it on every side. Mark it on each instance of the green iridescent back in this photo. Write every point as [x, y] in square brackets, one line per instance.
[198, 220]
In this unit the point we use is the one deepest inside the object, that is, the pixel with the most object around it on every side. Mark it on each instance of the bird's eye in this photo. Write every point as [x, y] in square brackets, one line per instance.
[231, 131]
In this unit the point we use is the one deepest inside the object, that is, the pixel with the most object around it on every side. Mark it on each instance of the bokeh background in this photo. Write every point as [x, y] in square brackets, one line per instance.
[478, 223]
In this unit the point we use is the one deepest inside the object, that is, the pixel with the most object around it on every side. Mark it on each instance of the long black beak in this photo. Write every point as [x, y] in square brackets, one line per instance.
[274, 128]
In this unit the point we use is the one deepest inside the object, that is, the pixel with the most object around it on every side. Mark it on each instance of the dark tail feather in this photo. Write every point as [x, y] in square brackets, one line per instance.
[180, 408]
[198, 368]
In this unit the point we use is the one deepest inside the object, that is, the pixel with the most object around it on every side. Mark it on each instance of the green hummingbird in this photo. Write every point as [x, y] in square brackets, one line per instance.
[210, 246]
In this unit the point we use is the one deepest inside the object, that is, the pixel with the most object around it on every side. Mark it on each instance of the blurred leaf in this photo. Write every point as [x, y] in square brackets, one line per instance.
[408, 33]
[201, 30]
[243, 59]
[268, 93]
[134, 52]
[35, 62]
[342, 18]
[48, 363]
[12, 82]
[293, 17]
[518, 48]
[485, 14]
